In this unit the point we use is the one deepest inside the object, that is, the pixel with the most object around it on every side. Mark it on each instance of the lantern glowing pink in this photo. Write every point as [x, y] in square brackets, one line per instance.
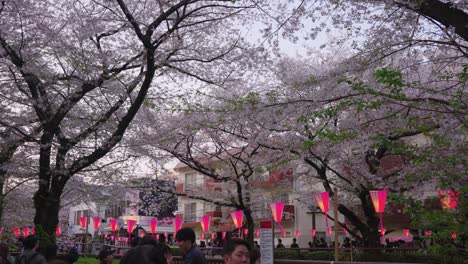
[345, 231]
[157, 236]
[283, 234]
[1, 229]
[202, 236]
[428, 232]
[277, 212]
[25, 232]
[33, 231]
[96, 222]
[313, 232]
[223, 235]
[165, 234]
[323, 199]
[237, 218]
[382, 231]
[16, 231]
[153, 224]
[379, 197]
[58, 230]
[454, 235]
[257, 232]
[213, 236]
[448, 198]
[329, 231]
[130, 226]
[246, 231]
[178, 224]
[406, 232]
[205, 222]
[298, 233]
[83, 221]
[113, 224]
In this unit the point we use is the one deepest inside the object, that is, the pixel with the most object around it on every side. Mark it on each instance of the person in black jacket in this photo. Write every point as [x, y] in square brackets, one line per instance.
[185, 239]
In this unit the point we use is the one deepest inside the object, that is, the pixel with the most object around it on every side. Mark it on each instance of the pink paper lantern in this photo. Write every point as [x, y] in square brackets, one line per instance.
[213, 236]
[257, 232]
[1, 229]
[58, 230]
[454, 235]
[96, 222]
[237, 218]
[178, 224]
[298, 233]
[165, 234]
[153, 224]
[130, 226]
[223, 235]
[113, 224]
[379, 197]
[16, 230]
[329, 231]
[33, 231]
[428, 232]
[246, 231]
[406, 232]
[323, 201]
[283, 234]
[448, 198]
[202, 236]
[83, 221]
[345, 231]
[205, 222]
[25, 232]
[277, 211]
[382, 231]
[313, 232]
[157, 236]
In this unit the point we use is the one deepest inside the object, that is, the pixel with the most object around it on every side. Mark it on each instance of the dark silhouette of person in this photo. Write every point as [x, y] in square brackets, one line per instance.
[280, 244]
[294, 244]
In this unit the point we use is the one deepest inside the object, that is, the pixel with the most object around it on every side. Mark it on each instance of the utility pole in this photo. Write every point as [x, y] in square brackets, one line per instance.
[335, 216]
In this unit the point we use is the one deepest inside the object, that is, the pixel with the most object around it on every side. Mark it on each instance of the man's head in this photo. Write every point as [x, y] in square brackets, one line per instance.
[185, 238]
[237, 251]
[31, 242]
[294, 240]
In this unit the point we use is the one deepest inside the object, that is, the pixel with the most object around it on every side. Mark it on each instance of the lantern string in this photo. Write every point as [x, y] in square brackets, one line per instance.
[326, 219]
[280, 227]
[381, 221]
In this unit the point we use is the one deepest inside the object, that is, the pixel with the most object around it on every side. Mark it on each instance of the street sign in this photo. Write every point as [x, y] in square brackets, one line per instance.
[266, 242]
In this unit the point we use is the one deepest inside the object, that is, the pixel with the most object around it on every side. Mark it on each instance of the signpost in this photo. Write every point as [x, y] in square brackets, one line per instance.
[266, 242]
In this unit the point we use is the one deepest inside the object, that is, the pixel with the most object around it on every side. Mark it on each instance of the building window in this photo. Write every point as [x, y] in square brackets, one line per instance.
[190, 212]
[192, 180]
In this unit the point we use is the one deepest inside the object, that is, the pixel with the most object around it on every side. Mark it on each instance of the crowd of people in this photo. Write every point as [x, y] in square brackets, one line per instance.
[144, 250]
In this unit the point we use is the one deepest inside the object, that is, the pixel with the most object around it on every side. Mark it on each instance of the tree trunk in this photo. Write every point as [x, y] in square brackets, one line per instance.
[250, 226]
[47, 206]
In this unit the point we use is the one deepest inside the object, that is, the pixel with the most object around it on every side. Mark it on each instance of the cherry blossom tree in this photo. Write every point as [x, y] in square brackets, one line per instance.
[84, 68]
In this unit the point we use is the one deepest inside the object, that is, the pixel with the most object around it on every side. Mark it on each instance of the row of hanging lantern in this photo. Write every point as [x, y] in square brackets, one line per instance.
[448, 199]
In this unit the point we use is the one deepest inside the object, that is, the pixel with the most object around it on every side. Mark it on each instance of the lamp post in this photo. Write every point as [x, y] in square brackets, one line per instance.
[277, 212]
[205, 222]
[379, 197]
[313, 211]
[237, 219]
[153, 224]
[84, 225]
[322, 200]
